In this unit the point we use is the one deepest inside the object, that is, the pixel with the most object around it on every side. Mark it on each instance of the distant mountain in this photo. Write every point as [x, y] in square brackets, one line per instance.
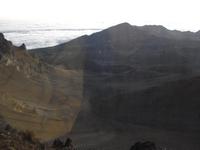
[143, 45]
[145, 75]
[35, 96]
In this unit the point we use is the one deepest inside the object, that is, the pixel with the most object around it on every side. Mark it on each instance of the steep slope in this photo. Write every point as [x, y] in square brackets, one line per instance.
[35, 96]
[131, 74]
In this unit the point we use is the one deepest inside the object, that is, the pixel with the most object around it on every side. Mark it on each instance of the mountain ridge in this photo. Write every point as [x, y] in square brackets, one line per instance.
[122, 31]
[130, 83]
[122, 62]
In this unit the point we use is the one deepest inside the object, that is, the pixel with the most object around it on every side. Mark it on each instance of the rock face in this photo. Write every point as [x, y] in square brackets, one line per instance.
[35, 96]
[141, 75]
[5, 46]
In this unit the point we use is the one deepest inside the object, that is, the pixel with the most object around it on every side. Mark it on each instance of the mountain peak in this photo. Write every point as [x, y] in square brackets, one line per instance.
[123, 25]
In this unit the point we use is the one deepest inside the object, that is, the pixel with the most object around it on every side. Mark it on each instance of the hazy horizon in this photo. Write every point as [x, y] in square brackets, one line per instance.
[173, 14]
[38, 35]
[44, 34]
[43, 23]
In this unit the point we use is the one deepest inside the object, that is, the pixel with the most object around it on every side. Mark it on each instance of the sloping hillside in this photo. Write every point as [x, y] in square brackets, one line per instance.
[126, 70]
[36, 96]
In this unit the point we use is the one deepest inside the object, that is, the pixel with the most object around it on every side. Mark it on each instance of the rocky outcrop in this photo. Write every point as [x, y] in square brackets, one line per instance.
[23, 46]
[19, 58]
[11, 138]
[5, 46]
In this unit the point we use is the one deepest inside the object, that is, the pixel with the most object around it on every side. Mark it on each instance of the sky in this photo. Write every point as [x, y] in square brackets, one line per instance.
[173, 14]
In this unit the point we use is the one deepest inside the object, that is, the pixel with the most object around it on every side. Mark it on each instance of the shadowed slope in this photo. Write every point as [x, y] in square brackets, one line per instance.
[123, 62]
